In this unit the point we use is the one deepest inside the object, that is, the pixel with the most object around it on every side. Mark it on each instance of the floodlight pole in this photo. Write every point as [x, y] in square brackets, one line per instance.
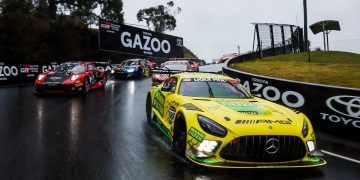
[324, 36]
[306, 46]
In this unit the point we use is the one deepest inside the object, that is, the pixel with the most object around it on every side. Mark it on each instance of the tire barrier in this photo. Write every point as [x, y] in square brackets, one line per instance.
[22, 73]
[332, 109]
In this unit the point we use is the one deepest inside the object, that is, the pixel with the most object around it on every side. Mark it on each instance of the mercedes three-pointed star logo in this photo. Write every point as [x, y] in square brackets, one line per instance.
[272, 146]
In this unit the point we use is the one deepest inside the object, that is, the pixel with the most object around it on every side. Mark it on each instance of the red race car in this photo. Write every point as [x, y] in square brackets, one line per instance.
[71, 77]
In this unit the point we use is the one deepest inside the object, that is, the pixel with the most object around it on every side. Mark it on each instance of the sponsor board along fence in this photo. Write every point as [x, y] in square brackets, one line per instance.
[20, 73]
[335, 110]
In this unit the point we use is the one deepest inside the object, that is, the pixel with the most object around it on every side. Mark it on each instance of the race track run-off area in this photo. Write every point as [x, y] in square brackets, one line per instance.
[105, 135]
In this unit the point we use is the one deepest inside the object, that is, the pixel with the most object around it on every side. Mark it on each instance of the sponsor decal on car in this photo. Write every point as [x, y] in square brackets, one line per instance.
[264, 121]
[172, 112]
[243, 107]
[158, 103]
[78, 85]
[196, 134]
[208, 80]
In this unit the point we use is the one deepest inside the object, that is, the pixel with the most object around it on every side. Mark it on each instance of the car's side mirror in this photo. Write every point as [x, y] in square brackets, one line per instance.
[255, 93]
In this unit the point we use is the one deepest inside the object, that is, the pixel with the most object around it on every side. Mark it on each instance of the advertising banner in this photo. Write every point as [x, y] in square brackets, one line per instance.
[132, 40]
[18, 73]
[335, 110]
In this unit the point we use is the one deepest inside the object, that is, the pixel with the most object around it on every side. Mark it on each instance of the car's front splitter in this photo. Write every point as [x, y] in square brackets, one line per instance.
[58, 89]
[213, 162]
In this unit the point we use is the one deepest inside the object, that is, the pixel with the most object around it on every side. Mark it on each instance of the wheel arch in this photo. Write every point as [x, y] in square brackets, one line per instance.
[180, 119]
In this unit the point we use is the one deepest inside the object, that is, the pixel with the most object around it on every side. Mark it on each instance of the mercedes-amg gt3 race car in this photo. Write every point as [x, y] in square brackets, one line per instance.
[71, 77]
[213, 121]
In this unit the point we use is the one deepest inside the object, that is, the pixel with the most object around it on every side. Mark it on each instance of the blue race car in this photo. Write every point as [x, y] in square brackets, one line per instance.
[131, 68]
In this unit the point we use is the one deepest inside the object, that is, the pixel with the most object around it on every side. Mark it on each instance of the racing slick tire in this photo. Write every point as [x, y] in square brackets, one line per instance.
[86, 87]
[37, 90]
[104, 81]
[179, 142]
[149, 111]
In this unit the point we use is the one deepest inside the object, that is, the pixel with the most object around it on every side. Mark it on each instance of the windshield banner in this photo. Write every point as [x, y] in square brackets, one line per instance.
[132, 40]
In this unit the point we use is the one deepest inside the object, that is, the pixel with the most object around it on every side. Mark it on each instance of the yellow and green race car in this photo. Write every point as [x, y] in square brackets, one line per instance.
[213, 121]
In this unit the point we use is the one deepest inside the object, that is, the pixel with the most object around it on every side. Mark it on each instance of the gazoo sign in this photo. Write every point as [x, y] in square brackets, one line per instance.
[132, 40]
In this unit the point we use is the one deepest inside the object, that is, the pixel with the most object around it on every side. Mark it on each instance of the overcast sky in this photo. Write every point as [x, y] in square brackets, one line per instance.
[212, 28]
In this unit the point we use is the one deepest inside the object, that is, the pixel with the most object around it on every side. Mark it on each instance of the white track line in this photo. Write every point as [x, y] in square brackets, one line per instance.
[340, 156]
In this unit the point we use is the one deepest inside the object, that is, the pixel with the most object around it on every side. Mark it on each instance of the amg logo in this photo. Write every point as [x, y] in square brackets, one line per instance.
[263, 121]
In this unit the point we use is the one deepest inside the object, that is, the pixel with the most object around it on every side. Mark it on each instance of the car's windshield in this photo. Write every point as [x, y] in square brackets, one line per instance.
[176, 66]
[212, 89]
[128, 63]
[70, 67]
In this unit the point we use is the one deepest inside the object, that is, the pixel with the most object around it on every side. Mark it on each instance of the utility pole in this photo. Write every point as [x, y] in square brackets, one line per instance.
[306, 46]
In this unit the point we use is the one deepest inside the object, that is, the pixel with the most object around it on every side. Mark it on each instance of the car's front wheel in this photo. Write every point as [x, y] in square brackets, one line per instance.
[104, 81]
[179, 142]
[86, 86]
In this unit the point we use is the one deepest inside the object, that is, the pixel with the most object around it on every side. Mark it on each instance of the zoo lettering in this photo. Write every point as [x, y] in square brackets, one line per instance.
[150, 44]
[6, 71]
[283, 96]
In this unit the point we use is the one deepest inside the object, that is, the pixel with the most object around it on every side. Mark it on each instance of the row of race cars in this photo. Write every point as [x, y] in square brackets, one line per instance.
[80, 77]
[210, 119]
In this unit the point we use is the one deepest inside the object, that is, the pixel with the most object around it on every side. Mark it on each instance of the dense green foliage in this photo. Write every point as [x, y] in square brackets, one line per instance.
[333, 68]
[159, 18]
[60, 30]
[43, 30]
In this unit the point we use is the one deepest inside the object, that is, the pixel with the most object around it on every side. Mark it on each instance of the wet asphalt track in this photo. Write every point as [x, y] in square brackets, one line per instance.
[105, 136]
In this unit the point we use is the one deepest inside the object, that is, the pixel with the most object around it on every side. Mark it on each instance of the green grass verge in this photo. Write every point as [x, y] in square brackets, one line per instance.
[331, 68]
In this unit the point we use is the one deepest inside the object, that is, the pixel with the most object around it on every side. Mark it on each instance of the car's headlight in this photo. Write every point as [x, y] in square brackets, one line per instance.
[74, 77]
[208, 146]
[305, 129]
[40, 77]
[311, 145]
[130, 70]
[211, 126]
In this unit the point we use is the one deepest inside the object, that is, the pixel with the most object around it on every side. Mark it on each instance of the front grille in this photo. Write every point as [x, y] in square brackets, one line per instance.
[56, 78]
[257, 149]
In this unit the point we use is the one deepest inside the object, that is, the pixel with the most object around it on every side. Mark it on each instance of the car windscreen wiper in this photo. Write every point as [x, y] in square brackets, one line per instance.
[210, 90]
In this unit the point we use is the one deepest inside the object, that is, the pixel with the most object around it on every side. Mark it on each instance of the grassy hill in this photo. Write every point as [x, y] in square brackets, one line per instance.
[331, 68]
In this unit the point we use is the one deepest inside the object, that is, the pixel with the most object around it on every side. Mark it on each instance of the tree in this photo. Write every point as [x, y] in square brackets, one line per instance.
[160, 18]
[16, 26]
[40, 30]
[112, 10]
